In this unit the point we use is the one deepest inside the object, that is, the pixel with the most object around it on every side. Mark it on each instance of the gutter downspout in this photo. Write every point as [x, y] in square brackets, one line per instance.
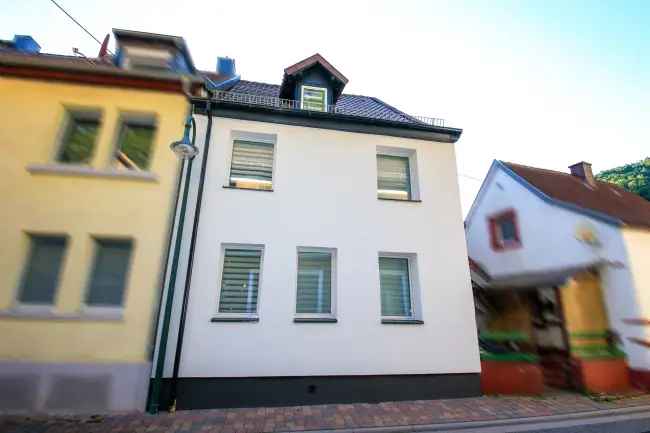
[188, 276]
[154, 396]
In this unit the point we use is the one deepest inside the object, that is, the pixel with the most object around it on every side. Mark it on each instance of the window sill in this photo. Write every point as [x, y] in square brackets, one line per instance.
[315, 320]
[500, 248]
[235, 319]
[247, 189]
[102, 313]
[397, 199]
[402, 322]
[33, 314]
[86, 171]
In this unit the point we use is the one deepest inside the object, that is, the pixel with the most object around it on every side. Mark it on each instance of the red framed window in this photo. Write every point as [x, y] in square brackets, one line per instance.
[504, 230]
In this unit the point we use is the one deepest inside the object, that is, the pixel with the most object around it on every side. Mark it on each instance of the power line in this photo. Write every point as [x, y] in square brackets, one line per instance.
[470, 177]
[79, 24]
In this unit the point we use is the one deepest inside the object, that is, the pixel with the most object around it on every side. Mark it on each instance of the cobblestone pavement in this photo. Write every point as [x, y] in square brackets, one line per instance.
[320, 417]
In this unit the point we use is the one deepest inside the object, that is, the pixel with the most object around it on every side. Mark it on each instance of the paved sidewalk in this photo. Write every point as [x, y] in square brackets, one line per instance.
[321, 417]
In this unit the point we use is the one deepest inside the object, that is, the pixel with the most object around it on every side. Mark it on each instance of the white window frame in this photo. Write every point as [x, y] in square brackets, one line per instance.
[404, 152]
[333, 288]
[414, 284]
[251, 136]
[255, 315]
[302, 97]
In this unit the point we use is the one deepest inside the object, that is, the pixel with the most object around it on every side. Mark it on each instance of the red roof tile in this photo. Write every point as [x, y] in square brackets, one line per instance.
[605, 197]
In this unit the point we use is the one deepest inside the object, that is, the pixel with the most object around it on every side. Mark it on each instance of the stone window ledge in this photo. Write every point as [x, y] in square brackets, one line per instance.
[86, 171]
[405, 321]
[243, 318]
[87, 315]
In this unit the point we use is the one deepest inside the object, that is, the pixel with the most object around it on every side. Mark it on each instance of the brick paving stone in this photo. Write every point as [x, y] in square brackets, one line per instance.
[320, 417]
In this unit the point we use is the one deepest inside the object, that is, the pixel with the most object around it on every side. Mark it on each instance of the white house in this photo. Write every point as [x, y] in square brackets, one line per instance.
[536, 228]
[329, 262]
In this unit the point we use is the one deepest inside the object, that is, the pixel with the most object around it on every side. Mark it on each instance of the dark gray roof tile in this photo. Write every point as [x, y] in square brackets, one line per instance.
[353, 105]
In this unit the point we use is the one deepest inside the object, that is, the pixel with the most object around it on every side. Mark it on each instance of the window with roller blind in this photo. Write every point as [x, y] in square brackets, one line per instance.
[240, 280]
[398, 287]
[316, 283]
[396, 174]
[110, 271]
[251, 165]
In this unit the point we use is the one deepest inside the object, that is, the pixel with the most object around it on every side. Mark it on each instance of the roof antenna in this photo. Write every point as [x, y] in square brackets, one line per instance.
[80, 54]
[103, 50]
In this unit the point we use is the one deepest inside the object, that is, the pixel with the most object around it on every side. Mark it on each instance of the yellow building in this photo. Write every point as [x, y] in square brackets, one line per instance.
[88, 187]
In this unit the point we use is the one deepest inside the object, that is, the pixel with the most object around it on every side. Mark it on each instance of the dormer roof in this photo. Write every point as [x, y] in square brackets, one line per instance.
[293, 72]
[312, 60]
[155, 41]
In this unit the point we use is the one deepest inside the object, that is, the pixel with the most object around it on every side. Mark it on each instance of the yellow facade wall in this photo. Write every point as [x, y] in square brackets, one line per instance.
[82, 207]
[637, 243]
[584, 310]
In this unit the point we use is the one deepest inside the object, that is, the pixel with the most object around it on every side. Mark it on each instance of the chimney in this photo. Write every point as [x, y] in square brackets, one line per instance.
[583, 171]
[26, 44]
[226, 67]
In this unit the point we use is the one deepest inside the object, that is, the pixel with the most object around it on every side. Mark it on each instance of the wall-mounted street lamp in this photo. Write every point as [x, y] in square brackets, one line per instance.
[184, 148]
[186, 151]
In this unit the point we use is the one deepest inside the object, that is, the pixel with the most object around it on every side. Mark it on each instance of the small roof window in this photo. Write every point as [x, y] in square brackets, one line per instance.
[313, 98]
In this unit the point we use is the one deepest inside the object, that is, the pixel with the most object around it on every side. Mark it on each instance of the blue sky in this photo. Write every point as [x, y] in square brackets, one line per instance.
[545, 83]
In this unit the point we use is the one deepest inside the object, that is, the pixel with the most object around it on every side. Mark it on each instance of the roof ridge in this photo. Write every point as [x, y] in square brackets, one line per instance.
[547, 170]
[606, 198]
[41, 54]
[536, 168]
[259, 82]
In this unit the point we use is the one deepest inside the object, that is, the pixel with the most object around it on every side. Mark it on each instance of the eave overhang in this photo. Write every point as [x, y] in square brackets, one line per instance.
[323, 120]
[91, 72]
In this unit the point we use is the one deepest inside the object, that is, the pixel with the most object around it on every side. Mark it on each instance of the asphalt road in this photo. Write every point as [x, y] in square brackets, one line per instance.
[627, 423]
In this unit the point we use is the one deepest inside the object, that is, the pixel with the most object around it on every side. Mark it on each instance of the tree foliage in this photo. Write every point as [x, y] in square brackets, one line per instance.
[633, 177]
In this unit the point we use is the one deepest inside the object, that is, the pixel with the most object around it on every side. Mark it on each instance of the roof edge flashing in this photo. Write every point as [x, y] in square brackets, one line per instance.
[603, 217]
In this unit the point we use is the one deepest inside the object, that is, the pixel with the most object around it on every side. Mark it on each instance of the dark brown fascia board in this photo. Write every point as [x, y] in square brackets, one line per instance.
[87, 73]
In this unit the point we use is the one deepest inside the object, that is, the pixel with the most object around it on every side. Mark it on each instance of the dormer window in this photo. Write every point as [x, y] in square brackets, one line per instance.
[314, 98]
[314, 82]
[152, 52]
[148, 59]
[504, 231]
